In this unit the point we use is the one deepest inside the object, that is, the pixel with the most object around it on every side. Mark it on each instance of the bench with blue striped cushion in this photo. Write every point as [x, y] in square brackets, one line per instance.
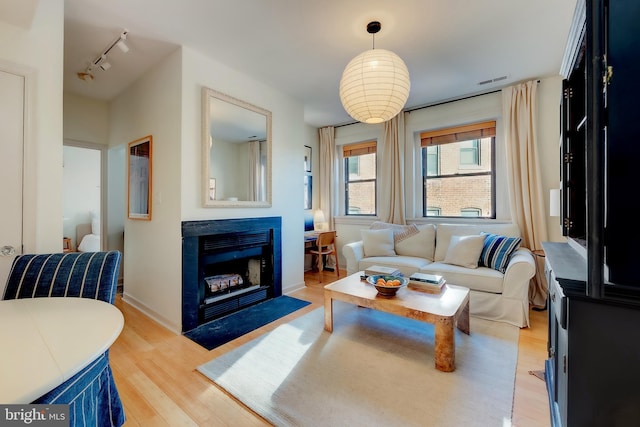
[91, 394]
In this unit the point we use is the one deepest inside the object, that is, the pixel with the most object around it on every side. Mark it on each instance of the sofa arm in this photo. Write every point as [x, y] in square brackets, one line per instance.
[520, 270]
[353, 253]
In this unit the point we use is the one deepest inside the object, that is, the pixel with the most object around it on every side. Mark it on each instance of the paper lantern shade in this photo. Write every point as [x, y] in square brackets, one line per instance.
[374, 86]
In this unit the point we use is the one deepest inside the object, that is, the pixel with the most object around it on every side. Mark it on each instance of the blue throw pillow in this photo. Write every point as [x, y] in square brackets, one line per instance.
[497, 251]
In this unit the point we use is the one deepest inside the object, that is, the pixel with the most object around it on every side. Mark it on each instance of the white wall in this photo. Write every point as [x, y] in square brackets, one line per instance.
[288, 135]
[38, 53]
[86, 119]
[153, 249]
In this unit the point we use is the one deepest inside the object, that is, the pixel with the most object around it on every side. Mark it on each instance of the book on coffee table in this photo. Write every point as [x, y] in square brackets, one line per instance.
[431, 283]
[434, 279]
[381, 270]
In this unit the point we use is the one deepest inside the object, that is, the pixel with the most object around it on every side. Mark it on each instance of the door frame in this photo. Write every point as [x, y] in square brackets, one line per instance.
[29, 169]
[103, 184]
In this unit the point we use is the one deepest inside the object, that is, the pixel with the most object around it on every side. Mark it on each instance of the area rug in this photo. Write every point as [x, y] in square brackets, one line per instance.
[220, 331]
[375, 369]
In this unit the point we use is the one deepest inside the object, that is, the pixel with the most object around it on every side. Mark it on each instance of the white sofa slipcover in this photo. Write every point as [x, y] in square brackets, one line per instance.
[494, 295]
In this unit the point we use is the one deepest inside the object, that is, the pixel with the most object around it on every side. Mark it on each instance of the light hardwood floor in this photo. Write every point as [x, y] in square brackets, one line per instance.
[154, 370]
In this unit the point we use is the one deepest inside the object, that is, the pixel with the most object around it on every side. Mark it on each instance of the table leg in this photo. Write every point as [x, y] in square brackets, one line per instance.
[328, 312]
[463, 320]
[445, 348]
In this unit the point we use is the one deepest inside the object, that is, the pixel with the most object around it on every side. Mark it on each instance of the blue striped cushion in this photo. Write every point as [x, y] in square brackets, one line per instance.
[497, 251]
[73, 274]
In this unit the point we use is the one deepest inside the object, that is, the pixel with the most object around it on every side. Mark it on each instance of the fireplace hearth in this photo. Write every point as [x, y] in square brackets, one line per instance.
[228, 265]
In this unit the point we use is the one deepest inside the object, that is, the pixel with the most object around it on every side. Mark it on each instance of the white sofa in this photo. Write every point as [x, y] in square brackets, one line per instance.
[494, 295]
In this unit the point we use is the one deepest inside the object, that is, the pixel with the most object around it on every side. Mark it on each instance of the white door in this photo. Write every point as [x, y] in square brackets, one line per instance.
[12, 88]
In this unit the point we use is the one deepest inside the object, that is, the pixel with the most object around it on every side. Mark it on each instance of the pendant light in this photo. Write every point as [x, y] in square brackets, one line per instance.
[375, 84]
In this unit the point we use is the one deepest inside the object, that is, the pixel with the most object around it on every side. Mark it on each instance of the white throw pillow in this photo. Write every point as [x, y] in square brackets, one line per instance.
[378, 242]
[464, 251]
[421, 245]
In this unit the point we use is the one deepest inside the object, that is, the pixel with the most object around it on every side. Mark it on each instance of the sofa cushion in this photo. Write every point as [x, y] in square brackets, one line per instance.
[481, 279]
[445, 231]
[422, 244]
[378, 242]
[464, 251]
[497, 250]
[400, 232]
[406, 264]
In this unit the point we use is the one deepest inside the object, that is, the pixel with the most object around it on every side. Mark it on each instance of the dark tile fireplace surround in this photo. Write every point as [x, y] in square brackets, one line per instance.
[248, 249]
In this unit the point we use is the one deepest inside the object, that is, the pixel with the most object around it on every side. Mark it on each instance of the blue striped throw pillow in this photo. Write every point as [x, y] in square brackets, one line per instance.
[497, 250]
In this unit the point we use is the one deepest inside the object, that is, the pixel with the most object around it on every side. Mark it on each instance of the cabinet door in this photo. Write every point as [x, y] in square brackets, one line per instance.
[561, 373]
[623, 149]
[573, 170]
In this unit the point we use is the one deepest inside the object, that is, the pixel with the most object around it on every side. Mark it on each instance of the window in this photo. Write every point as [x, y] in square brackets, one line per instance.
[431, 211]
[470, 153]
[470, 212]
[431, 158]
[458, 171]
[360, 178]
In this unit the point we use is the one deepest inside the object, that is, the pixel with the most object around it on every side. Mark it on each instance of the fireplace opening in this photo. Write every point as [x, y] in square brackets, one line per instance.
[228, 265]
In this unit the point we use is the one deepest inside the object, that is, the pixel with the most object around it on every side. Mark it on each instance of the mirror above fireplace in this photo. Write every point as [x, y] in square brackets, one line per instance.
[236, 152]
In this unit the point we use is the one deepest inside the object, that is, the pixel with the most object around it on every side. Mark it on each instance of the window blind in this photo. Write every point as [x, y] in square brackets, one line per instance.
[358, 149]
[458, 133]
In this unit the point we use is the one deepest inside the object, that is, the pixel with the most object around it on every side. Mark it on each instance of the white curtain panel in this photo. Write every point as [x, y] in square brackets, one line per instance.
[391, 180]
[327, 173]
[526, 196]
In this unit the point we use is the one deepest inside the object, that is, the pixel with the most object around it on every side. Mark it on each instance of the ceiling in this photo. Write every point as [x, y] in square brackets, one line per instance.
[302, 46]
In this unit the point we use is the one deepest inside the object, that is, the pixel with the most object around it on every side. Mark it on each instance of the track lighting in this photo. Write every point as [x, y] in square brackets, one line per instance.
[101, 60]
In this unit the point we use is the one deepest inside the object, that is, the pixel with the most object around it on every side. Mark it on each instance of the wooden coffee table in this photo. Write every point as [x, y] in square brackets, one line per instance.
[445, 310]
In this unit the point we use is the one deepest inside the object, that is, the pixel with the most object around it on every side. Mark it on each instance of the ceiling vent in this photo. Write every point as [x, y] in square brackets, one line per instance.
[497, 79]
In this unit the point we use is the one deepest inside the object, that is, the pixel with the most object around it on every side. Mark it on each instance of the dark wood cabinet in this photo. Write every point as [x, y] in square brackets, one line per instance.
[594, 280]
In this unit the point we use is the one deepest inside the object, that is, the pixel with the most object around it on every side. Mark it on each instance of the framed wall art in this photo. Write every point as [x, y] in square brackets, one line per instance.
[307, 192]
[307, 158]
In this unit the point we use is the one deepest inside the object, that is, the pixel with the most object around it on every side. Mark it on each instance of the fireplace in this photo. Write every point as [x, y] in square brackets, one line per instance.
[228, 265]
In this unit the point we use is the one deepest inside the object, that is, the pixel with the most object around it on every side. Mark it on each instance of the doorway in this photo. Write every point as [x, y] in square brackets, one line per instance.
[84, 195]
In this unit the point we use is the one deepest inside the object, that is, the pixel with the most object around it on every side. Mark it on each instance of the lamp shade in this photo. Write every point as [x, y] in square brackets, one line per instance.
[374, 86]
[319, 220]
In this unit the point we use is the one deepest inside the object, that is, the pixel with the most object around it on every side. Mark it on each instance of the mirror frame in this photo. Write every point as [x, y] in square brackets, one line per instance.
[207, 94]
[132, 198]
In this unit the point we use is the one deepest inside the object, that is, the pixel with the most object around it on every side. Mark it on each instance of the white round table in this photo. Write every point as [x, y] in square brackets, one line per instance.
[45, 341]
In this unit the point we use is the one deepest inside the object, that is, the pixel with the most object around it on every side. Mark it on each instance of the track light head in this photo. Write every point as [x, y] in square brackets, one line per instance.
[84, 75]
[105, 65]
[122, 46]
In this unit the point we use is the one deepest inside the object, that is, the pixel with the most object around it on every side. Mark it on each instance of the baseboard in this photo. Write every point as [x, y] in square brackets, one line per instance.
[177, 329]
[292, 288]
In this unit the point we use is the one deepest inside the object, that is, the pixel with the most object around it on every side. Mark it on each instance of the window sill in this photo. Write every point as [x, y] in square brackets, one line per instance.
[355, 219]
